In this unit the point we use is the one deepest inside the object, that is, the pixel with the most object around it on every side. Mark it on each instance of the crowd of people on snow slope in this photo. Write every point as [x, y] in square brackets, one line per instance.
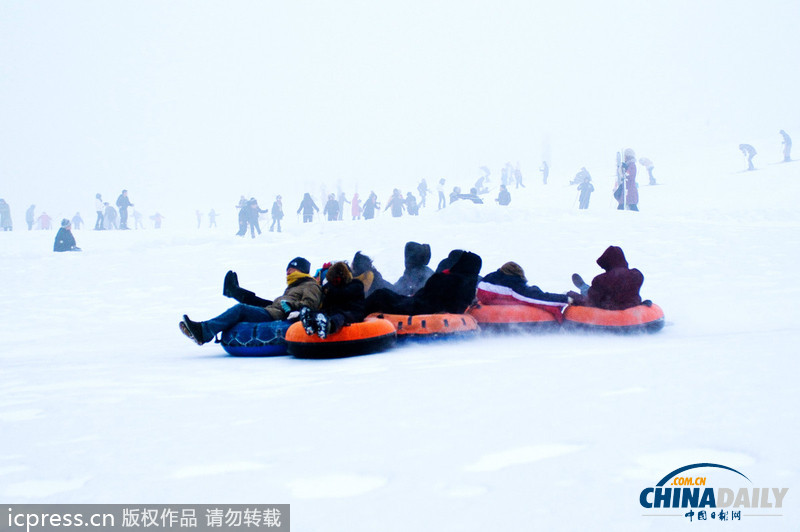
[341, 293]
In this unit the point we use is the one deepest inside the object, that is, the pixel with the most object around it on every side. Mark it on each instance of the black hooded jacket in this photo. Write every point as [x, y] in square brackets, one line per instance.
[417, 272]
[451, 290]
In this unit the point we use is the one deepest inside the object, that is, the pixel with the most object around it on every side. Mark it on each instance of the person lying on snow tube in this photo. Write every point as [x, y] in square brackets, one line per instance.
[342, 303]
[302, 291]
[508, 286]
[417, 257]
[451, 290]
[616, 289]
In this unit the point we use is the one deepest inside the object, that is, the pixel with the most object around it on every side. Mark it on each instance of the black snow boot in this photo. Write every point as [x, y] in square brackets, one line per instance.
[230, 283]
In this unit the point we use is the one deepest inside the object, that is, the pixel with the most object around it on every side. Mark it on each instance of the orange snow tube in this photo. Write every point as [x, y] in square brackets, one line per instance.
[512, 318]
[369, 336]
[642, 318]
[431, 326]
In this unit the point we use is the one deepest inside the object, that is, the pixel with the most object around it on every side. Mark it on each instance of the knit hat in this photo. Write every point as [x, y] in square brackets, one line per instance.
[65, 223]
[299, 263]
[512, 268]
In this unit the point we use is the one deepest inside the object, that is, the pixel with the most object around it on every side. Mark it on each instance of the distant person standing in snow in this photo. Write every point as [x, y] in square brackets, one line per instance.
[77, 221]
[545, 170]
[627, 192]
[355, 207]
[123, 203]
[253, 212]
[331, 208]
[29, 216]
[396, 203]
[748, 152]
[586, 188]
[137, 219]
[440, 190]
[342, 200]
[199, 217]
[518, 177]
[412, 207]
[787, 146]
[647, 163]
[5, 216]
[99, 206]
[308, 207]
[44, 221]
[110, 216]
[212, 218]
[371, 205]
[276, 213]
[422, 188]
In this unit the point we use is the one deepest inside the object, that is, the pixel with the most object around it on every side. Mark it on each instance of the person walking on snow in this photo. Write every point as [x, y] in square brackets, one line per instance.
[787, 146]
[355, 207]
[586, 188]
[5, 216]
[277, 214]
[627, 192]
[29, 216]
[123, 203]
[308, 207]
[331, 208]
[99, 206]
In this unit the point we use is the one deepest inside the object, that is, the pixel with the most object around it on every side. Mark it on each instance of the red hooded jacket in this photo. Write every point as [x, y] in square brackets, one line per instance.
[618, 288]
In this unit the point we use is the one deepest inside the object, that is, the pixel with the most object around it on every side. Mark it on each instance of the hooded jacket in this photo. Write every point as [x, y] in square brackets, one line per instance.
[451, 290]
[617, 288]
[417, 272]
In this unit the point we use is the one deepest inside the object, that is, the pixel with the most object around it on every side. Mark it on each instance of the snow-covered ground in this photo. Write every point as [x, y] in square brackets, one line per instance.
[103, 400]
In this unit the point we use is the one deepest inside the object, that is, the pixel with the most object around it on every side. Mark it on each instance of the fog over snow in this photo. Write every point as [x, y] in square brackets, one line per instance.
[190, 105]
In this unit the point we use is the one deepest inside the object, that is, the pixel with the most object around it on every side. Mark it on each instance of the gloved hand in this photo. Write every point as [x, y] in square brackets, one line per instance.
[285, 306]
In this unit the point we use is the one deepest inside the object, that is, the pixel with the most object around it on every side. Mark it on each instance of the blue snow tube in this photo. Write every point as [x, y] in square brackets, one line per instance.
[263, 339]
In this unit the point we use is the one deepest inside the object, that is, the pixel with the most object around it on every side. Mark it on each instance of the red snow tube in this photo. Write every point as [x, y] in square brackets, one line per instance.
[368, 336]
[642, 318]
[431, 326]
[512, 318]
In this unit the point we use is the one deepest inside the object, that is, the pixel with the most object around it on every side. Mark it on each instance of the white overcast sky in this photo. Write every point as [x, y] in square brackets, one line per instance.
[212, 99]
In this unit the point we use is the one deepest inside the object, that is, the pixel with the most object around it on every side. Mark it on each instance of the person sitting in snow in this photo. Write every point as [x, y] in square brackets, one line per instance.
[65, 241]
[616, 289]
[301, 291]
[417, 272]
[451, 290]
[504, 196]
[342, 303]
[508, 286]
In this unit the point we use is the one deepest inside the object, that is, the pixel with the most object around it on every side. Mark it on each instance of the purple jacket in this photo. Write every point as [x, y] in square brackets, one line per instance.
[617, 288]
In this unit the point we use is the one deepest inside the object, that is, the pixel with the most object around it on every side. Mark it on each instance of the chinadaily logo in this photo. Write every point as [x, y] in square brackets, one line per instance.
[705, 492]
